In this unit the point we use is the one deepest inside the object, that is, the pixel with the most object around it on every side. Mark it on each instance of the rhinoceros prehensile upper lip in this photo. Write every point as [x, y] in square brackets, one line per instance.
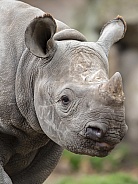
[104, 146]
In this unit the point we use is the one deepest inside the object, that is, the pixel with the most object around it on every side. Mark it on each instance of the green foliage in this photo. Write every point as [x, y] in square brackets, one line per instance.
[118, 178]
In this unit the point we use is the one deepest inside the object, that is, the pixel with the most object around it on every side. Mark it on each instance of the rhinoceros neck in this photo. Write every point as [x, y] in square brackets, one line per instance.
[24, 88]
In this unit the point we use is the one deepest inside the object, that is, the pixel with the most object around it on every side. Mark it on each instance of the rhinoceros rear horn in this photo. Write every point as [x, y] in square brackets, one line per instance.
[69, 34]
[112, 32]
[39, 36]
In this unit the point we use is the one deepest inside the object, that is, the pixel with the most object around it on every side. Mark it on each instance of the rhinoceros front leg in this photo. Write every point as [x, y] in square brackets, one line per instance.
[4, 178]
[41, 167]
[6, 150]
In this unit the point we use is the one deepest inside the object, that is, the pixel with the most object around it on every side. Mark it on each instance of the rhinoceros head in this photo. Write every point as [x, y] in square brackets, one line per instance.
[77, 105]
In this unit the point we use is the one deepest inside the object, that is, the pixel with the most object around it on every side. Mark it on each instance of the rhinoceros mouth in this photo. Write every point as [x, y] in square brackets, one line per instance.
[91, 147]
[101, 149]
[98, 151]
[104, 146]
[99, 144]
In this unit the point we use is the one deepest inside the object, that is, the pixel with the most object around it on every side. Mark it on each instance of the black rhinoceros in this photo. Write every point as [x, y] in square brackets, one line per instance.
[55, 93]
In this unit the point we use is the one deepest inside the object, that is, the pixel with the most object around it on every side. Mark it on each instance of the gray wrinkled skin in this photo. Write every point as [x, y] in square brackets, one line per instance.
[55, 93]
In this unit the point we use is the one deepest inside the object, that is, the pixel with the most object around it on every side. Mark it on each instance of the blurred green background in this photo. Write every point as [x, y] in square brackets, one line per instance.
[116, 168]
[121, 166]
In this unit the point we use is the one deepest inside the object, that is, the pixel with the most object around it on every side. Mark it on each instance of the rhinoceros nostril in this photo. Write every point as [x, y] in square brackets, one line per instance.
[94, 132]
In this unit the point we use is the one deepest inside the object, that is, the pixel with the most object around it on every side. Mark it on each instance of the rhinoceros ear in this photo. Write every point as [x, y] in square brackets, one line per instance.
[39, 36]
[112, 32]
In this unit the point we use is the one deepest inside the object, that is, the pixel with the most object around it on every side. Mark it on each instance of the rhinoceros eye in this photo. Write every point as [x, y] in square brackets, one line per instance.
[65, 100]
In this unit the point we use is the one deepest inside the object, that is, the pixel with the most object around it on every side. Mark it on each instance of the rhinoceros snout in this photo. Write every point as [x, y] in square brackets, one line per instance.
[95, 131]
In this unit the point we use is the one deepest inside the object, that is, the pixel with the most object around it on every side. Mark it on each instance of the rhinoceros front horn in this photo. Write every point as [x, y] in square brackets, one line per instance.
[112, 32]
[113, 90]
